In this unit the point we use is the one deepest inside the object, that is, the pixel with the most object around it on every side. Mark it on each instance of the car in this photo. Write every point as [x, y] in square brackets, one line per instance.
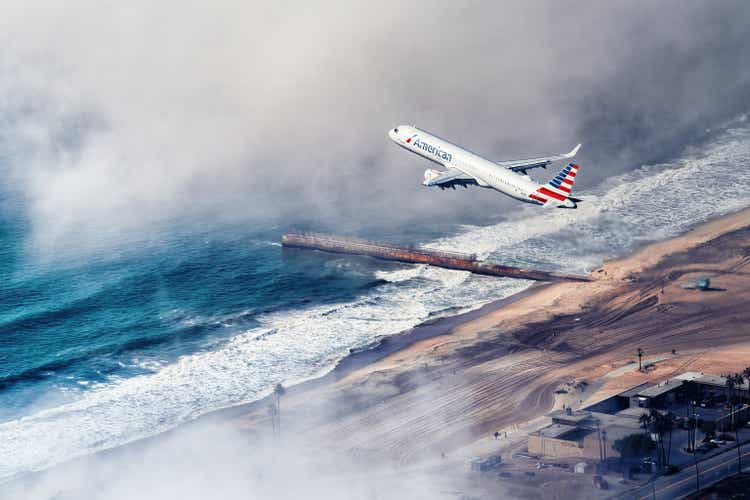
[718, 441]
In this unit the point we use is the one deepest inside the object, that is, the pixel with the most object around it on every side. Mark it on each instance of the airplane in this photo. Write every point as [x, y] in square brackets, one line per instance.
[510, 177]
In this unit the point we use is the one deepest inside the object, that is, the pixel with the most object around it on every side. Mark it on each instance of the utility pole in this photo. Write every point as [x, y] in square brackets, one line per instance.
[272, 412]
[640, 358]
[695, 459]
[278, 391]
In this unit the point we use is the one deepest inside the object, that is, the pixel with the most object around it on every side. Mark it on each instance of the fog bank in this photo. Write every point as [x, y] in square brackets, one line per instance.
[115, 117]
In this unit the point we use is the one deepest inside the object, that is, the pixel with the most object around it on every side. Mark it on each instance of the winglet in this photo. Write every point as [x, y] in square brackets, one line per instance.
[573, 153]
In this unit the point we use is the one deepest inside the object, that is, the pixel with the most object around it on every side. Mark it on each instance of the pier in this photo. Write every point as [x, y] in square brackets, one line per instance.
[416, 255]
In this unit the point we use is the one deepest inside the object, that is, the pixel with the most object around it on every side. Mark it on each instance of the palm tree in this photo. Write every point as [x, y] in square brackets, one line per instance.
[654, 421]
[631, 448]
[657, 425]
[667, 425]
[645, 420]
[662, 425]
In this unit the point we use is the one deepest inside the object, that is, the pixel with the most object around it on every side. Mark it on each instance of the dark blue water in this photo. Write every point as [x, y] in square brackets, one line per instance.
[91, 321]
[74, 319]
[104, 343]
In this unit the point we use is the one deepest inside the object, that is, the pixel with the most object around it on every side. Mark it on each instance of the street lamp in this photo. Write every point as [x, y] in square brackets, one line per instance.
[695, 459]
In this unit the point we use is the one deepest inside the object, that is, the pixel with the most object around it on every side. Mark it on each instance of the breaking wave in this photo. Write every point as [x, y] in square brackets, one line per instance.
[291, 345]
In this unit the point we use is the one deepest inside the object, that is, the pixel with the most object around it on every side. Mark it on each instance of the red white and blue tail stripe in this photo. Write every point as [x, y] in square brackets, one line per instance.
[558, 189]
[563, 181]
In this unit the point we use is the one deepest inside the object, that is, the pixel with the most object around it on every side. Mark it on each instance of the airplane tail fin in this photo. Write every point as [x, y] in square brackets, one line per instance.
[563, 182]
[556, 193]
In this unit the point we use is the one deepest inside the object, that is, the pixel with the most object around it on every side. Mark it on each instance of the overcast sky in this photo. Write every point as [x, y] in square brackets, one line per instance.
[119, 115]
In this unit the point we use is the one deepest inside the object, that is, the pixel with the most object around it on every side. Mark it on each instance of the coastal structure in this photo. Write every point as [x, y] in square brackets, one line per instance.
[591, 432]
[414, 255]
[582, 434]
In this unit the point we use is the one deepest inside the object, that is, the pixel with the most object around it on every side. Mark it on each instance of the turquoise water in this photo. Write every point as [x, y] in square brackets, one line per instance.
[102, 347]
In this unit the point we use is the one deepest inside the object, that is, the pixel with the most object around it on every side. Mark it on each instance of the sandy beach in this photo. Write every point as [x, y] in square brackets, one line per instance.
[427, 400]
[501, 368]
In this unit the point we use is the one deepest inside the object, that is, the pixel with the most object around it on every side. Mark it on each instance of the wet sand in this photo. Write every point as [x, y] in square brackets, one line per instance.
[436, 393]
[500, 369]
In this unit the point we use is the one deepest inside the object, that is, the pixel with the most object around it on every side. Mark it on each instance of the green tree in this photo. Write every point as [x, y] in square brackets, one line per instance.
[660, 426]
[645, 422]
[633, 447]
[663, 423]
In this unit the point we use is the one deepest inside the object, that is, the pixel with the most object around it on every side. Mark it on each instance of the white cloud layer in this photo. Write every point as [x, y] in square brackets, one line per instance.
[114, 116]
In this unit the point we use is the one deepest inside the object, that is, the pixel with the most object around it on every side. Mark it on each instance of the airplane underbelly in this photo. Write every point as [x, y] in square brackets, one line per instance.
[508, 191]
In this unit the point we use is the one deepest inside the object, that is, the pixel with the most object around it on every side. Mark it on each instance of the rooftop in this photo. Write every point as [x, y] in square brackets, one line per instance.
[555, 430]
[689, 375]
[635, 390]
[564, 431]
[715, 380]
[663, 388]
[575, 417]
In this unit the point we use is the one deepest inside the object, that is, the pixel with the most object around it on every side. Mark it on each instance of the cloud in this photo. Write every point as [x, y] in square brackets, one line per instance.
[214, 458]
[118, 117]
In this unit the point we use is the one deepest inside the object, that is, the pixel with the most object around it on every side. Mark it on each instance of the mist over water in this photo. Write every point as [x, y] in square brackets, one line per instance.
[152, 155]
[124, 350]
[119, 119]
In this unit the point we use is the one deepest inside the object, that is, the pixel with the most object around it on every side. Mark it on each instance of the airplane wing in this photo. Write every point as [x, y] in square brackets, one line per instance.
[450, 178]
[523, 165]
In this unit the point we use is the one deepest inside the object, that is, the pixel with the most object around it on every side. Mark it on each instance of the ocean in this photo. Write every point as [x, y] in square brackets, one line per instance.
[103, 349]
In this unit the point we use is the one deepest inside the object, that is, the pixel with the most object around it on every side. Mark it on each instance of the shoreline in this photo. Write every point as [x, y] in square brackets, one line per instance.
[511, 319]
[349, 363]
[384, 347]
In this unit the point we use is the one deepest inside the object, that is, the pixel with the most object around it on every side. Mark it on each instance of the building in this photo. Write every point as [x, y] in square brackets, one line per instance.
[581, 434]
[591, 432]
[659, 396]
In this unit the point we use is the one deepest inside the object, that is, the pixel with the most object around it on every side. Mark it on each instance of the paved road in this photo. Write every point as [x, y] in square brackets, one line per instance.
[681, 484]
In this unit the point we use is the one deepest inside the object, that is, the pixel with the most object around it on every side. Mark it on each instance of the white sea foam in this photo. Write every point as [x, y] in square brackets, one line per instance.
[288, 346]
[398, 275]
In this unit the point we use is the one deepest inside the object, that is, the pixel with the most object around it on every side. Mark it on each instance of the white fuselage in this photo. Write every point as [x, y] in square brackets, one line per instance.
[487, 173]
